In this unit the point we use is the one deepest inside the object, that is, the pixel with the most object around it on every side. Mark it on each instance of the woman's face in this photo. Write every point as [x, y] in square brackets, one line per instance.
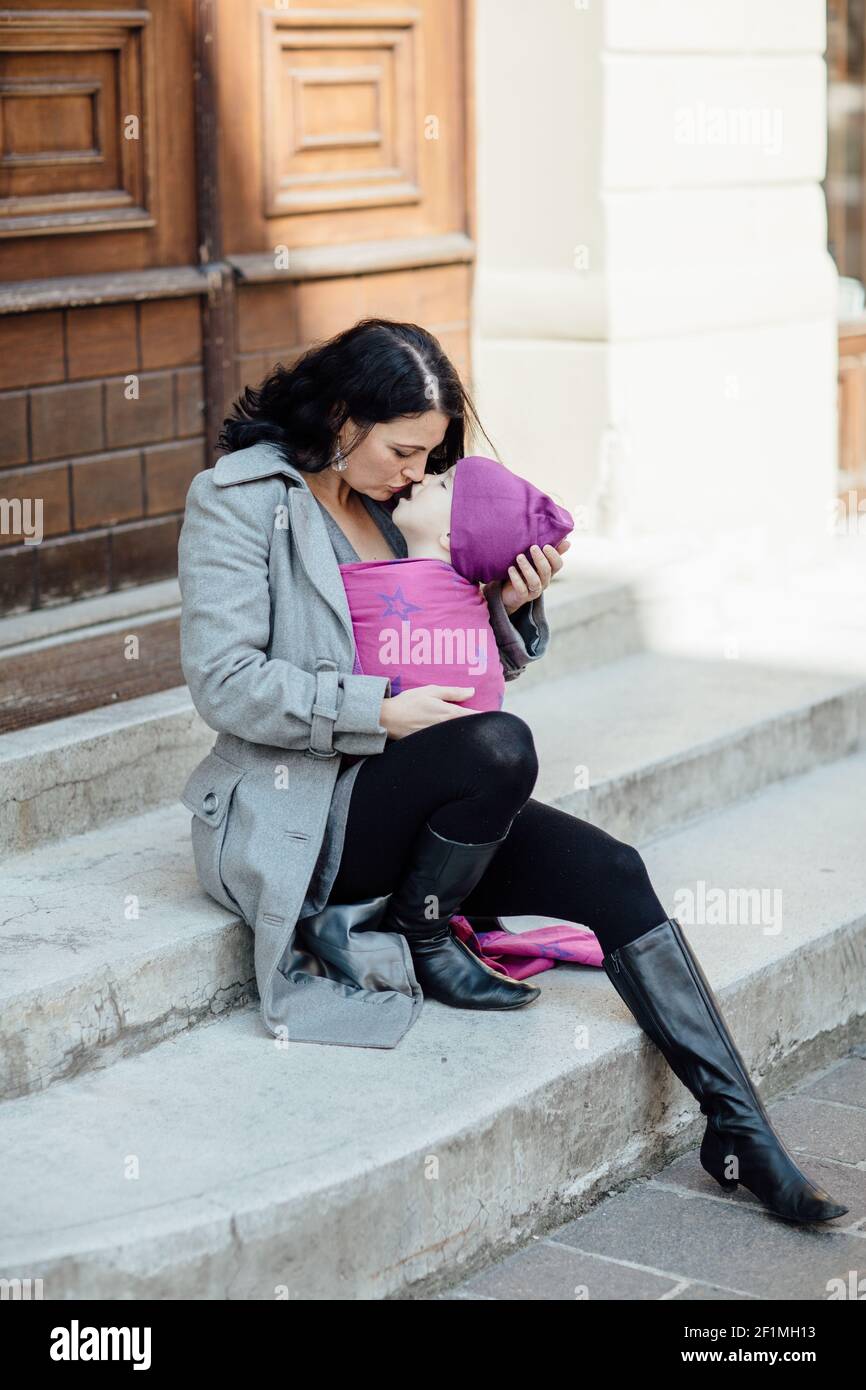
[394, 454]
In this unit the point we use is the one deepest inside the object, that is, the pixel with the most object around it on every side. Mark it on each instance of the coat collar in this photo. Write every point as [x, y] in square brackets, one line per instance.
[259, 461]
[308, 528]
[264, 460]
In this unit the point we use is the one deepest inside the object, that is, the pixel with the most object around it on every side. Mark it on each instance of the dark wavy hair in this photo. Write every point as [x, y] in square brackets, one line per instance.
[369, 374]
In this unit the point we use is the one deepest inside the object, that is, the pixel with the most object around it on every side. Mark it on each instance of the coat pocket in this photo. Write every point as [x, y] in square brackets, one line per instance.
[208, 794]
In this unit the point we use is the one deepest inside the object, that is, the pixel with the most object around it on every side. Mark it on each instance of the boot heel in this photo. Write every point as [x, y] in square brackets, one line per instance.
[716, 1170]
[714, 1159]
[729, 1184]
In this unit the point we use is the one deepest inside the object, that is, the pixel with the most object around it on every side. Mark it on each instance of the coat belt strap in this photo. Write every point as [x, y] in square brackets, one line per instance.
[325, 710]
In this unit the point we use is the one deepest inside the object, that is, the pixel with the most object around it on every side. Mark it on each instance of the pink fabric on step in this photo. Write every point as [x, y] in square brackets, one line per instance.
[521, 954]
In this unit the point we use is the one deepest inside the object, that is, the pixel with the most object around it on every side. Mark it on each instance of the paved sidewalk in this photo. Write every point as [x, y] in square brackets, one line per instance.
[678, 1236]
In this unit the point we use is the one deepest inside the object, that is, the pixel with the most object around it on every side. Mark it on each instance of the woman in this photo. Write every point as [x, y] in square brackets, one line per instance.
[346, 824]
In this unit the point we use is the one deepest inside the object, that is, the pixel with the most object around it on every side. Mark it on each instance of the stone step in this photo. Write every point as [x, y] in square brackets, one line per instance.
[656, 738]
[60, 661]
[109, 945]
[594, 618]
[74, 774]
[220, 1164]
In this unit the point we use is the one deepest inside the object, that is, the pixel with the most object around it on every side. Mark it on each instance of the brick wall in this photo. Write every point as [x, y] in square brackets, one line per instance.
[276, 322]
[111, 465]
[102, 412]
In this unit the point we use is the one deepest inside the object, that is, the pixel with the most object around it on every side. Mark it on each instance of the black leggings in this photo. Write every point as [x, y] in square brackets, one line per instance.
[471, 778]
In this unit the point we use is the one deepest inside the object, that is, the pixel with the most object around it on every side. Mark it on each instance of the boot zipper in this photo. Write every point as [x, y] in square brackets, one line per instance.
[624, 970]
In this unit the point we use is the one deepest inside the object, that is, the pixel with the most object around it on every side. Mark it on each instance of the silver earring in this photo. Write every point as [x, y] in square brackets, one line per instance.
[339, 462]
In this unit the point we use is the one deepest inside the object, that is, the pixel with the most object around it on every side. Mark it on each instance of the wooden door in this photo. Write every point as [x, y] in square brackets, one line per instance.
[100, 308]
[345, 170]
[191, 190]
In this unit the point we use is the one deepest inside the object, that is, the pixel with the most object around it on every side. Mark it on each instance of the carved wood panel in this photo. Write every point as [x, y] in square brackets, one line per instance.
[76, 144]
[343, 122]
[340, 97]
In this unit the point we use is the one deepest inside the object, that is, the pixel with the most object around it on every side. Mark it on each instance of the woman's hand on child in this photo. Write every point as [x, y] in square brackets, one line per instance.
[530, 580]
[417, 709]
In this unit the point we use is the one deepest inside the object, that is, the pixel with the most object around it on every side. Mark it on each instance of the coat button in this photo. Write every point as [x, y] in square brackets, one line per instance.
[210, 803]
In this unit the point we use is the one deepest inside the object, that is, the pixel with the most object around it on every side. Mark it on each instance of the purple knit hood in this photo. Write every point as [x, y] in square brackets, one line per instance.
[495, 515]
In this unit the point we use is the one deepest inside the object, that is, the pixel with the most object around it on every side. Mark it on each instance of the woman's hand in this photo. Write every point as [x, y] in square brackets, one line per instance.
[528, 583]
[418, 709]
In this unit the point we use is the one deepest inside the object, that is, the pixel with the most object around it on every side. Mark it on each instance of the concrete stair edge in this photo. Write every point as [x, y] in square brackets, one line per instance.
[188, 959]
[59, 1028]
[527, 1166]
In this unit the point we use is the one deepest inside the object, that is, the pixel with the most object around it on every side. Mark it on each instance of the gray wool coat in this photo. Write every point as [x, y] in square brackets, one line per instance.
[267, 651]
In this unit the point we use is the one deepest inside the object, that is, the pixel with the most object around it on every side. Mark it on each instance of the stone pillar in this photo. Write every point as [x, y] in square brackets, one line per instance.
[655, 306]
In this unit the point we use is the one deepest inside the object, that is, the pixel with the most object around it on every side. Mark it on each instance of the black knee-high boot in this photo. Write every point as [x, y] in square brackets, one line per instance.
[441, 875]
[661, 980]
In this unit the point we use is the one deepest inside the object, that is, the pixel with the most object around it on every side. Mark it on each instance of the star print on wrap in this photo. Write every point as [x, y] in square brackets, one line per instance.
[451, 644]
[397, 605]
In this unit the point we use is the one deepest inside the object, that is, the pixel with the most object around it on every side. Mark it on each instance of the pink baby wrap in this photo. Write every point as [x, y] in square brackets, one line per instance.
[418, 622]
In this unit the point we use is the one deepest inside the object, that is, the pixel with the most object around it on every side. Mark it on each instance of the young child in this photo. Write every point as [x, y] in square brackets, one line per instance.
[424, 620]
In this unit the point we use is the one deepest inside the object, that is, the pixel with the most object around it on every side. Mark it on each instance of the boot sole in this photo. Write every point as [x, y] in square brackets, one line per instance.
[485, 1008]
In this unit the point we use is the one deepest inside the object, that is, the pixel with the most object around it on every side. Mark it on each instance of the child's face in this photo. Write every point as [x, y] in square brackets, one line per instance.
[424, 516]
